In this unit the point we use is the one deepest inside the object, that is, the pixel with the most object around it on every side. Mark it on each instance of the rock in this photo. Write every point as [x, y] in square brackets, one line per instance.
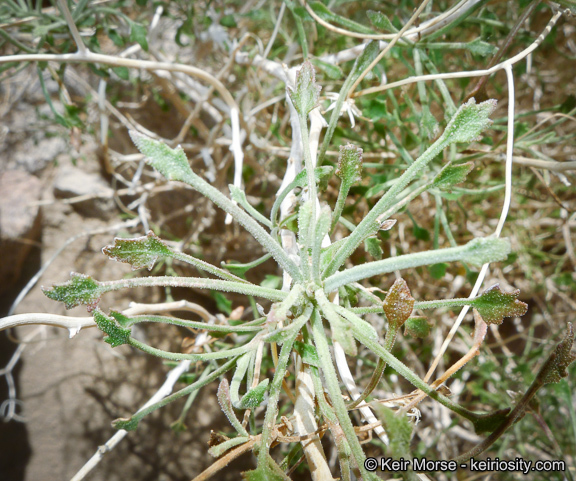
[20, 224]
[35, 155]
[74, 182]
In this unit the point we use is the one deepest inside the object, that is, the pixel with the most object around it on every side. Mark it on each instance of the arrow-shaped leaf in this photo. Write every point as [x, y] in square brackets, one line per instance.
[139, 252]
[469, 121]
[116, 335]
[494, 305]
[80, 289]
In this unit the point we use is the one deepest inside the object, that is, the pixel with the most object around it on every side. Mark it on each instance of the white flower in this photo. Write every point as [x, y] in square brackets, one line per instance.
[348, 106]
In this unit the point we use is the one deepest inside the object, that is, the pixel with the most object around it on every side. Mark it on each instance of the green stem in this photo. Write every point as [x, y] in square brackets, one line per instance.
[132, 422]
[389, 340]
[195, 282]
[247, 266]
[541, 379]
[300, 180]
[174, 356]
[193, 324]
[340, 203]
[362, 62]
[190, 400]
[477, 251]
[276, 386]
[179, 170]
[333, 385]
[312, 193]
[329, 415]
[205, 266]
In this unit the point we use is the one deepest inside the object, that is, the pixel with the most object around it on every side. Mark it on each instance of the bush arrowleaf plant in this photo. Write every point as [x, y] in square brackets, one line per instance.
[317, 318]
[320, 307]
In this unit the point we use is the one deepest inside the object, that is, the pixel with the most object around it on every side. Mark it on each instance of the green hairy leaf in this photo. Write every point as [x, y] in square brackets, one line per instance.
[333, 72]
[479, 47]
[487, 249]
[323, 12]
[116, 335]
[253, 398]
[417, 327]
[373, 247]
[342, 333]
[494, 305]
[220, 449]
[80, 289]
[225, 402]
[263, 473]
[138, 33]
[139, 252]
[308, 353]
[428, 123]
[452, 175]
[304, 220]
[398, 304]
[469, 121]
[381, 21]
[171, 163]
[306, 94]
[364, 60]
[349, 164]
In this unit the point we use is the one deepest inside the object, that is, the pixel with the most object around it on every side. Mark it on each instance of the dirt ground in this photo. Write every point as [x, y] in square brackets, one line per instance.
[71, 390]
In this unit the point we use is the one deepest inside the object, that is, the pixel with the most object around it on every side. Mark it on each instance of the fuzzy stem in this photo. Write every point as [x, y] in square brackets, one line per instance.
[369, 269]
[276, 387]
[195, 282]
[184, 392]
[174, 356]
[312, 193]
[380, 366]
[332, 383]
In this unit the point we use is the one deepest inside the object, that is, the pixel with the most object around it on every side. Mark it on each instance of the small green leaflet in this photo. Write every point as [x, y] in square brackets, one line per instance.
[253, 398]
[381, 21]
[138, 34]
[469, 121]
[80, 289]
[486, 249]
[417, 327]
[116, 335]
[494, 305]
[308, 353]
[349, 164]
[138, 252]
[452, 175]
[171, 163]
[306, 94]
